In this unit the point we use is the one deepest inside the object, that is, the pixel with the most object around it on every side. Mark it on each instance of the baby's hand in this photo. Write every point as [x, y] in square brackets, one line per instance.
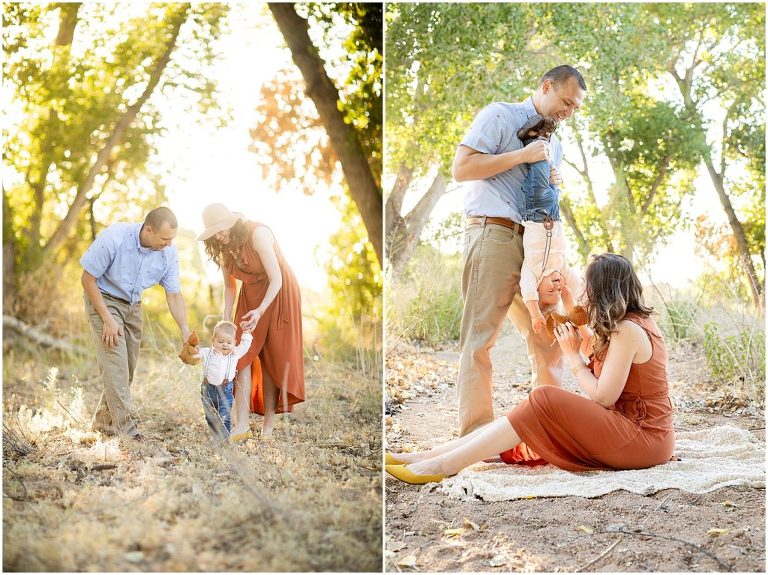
[538, 323]
[554, 176]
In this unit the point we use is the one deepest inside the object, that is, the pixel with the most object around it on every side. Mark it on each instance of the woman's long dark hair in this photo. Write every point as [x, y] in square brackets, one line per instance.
[220, 253]
[613, 291]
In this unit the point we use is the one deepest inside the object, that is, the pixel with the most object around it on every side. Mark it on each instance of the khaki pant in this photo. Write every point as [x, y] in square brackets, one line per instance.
[493, 256]
[116, 366]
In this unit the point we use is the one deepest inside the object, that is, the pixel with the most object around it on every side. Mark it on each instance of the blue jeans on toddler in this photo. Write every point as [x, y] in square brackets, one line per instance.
[541, 197]
[217, 405]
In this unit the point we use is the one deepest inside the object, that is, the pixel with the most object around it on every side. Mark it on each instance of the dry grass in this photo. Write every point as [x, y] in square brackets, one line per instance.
[308, 499]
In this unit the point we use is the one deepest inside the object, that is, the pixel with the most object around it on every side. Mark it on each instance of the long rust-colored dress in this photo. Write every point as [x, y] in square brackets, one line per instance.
[577, 434]
[277, 344]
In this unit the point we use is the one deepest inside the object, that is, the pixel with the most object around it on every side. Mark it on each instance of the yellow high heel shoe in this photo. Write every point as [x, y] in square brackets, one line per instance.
[389, 459]
[240, 436]
[402, 473]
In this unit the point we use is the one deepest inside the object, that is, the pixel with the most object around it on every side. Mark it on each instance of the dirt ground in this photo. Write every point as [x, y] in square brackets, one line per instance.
[669, 531]
[307, 499]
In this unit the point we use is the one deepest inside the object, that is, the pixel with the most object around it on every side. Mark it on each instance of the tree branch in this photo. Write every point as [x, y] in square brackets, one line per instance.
[363, 187]
[11, 323]
[396, 196]
[656, 184]
[68, 18]
[123, 123]
[567, 211]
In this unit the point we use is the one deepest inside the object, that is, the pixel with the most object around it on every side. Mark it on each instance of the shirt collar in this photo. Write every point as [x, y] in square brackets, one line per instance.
[137, 231]
[528, 106]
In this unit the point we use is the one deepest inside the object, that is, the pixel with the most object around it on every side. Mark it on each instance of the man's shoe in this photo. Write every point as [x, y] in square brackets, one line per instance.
[402, 473]
[241, 436]
[391, 460]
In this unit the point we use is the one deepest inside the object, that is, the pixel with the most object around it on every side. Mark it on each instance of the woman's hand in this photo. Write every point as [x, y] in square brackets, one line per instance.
[569, 339]
[250, 319]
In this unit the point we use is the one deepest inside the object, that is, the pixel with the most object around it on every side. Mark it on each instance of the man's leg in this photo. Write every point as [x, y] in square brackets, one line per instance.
[493, 255]
[132, 328]
[544, 354]
[114, 406]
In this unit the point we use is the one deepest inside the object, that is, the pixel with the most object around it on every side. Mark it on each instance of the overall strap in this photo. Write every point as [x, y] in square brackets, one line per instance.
[549, 223]
[205, 370]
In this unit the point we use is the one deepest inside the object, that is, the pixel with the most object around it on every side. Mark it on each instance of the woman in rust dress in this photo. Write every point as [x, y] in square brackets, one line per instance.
[269, 300]
[625, 422]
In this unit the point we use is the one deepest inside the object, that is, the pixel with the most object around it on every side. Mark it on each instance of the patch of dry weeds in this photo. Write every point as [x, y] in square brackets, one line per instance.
[308, 499]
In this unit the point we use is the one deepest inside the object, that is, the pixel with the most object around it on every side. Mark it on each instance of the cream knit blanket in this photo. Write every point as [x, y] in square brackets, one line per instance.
[711, 459]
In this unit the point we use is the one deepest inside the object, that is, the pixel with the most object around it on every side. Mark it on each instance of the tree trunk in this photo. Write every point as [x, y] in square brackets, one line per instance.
[691, 106]
[738, 232]
[406, 238]
[39, 337]
[123, 123]
[363, 187]
[393, 216]
[587, 177]
[9, 255]
[583, 245]
[67, 22]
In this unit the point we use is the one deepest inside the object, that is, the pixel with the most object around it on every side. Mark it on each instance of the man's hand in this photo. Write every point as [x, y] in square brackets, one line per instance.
[554, 176]
[111, 332]
[536, 151]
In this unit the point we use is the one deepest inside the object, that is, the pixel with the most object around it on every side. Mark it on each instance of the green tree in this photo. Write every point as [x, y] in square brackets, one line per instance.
[444, 62]
[352, 324]
[718, 57]
[293, 143]
[350, 115]
[85, 117]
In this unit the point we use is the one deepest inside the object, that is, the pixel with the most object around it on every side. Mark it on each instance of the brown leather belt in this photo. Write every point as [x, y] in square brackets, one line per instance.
[507, 223]
[114, 297]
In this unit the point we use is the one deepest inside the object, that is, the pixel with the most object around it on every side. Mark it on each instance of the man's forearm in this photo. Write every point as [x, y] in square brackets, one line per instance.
[479, 166]
[179, 312]
[94, 295]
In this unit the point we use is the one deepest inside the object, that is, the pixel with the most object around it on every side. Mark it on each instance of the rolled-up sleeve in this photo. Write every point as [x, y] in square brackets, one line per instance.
[485, 133]
[244, 345]
[171, 282]
[100, 255]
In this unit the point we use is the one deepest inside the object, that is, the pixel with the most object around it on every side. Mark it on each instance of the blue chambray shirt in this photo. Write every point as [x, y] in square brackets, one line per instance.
[494, 131]
[124, 269]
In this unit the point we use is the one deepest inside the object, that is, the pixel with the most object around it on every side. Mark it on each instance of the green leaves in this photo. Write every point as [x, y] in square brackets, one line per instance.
[644, 115]
[75, 72]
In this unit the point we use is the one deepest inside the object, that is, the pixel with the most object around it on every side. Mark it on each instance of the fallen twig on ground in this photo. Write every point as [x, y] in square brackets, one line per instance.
[696, 546]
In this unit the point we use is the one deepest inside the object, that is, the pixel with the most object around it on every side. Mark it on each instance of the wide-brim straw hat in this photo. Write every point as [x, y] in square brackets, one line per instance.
[216, 218]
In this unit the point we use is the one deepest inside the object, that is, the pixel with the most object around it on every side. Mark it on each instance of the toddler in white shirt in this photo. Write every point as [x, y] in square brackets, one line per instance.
[219, 368]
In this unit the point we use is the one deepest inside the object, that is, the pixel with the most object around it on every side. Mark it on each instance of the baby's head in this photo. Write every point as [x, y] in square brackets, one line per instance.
[544, 130]
[223, 339]
[549, 291]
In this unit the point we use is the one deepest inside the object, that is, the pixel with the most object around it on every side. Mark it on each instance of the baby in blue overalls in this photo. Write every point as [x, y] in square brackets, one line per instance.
[543, 241]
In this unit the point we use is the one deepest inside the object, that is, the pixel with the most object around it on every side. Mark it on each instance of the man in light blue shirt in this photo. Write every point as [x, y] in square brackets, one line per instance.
[494, 163]
[123, 261]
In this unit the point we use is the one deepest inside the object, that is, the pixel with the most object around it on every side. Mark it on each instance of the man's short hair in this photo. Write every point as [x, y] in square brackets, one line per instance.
[225, 327]
[560, 74]
[159, 216]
